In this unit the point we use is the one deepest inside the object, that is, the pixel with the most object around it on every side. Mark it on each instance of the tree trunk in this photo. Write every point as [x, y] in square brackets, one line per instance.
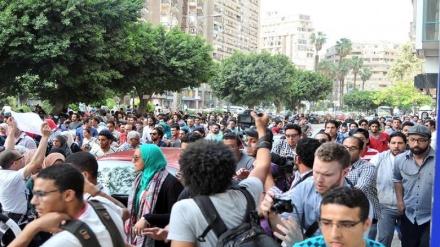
[278, 105]
[177, 101]
[59, 106]
[363, 85]
[341, 92]
[143, 102]
[316, 61]
[354, 80]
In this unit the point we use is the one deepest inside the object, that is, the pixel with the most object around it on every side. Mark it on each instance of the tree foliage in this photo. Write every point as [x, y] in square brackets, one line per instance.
[249, 79]
[361, 100]
[164, 60]
[306, 86]
[403, 95]
[73, 48]
[318, 40]
[365, 74]
[406, 66]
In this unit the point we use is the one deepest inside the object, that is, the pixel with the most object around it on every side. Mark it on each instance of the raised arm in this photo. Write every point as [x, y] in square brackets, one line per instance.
[10, 139]
[262, 161]
[37, 159]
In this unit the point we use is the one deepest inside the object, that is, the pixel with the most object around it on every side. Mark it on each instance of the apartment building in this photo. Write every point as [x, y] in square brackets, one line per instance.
[290, 36]
[378, 56]
[227, 25]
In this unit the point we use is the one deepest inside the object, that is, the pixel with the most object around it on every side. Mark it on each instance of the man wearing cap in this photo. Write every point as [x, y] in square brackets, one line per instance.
[105, 139]
[413, 179]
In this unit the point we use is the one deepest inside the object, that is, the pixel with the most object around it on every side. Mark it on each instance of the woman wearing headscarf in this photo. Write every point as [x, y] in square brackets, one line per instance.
[60, 141]
[69, 138]
[153, 194]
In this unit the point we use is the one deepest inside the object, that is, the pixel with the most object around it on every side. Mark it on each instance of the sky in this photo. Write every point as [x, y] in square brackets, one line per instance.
[357, 20]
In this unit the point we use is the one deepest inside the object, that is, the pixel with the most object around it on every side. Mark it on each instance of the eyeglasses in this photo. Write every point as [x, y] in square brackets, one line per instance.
[419, 141]
[322, 140]
[40, 194]
[136, 158]
[347, 225]
[291, 136]
[351, 149]
[153, 134]
[19, 158]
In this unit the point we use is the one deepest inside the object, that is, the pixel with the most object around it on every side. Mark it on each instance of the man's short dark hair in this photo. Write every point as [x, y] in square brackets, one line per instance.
[305, 149]
[360, 131]
[431, 122]
[111, 122]
[357, 125]
[397, 134]
[191, 137]
[159, 130]
[233, 120]
[324, 133]
[363, 121]
[407, 124]
[66, 177]
[350, 197]
[8, 157]
[294, 127]
[331, 121]
[360, 142]
[207, 167]
[85, 162]
[232, 136]
[175, 125]
[374, 121]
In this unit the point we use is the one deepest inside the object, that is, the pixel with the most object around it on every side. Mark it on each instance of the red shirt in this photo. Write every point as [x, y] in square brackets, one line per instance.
[381, 143]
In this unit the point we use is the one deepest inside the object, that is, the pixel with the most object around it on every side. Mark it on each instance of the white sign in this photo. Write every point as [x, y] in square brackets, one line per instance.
[28, 122]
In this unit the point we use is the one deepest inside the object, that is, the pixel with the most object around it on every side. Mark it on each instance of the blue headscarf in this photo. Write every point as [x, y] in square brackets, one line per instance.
[154, 161]
[166, 129]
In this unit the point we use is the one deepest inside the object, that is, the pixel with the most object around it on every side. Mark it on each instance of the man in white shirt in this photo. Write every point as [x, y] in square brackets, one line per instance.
[58, 196]
[13, 193]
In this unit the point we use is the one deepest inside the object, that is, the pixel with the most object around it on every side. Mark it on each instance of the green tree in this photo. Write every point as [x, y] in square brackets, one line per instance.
[343, 48]
[327, 68]
[403, 95]
[406, 66]
[73, 48]
[318, 40]
[249, 79]
[341, 72]
[164, 60]
[365, 74]
[361, 101]
[356, 64]
[306, 85]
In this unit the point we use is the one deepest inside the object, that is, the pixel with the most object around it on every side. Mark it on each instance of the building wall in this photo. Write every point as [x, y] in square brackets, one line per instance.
[377, 56]
[290, 36]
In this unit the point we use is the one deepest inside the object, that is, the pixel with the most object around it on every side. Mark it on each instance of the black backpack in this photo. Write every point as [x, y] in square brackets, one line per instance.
[248, 234]
[86, 236]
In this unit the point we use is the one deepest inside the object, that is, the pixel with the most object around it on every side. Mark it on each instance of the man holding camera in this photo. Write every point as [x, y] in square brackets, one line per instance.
[330, 167]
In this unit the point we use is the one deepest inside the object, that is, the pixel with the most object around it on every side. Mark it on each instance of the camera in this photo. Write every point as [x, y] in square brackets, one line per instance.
[285, 164]
[87, 147]
[281, 205]
[246, 120]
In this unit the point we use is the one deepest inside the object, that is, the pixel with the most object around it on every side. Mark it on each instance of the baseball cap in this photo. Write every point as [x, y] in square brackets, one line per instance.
[419, 130]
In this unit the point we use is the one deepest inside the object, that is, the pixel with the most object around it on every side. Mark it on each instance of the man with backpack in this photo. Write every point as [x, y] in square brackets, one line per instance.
[58, 197]
[215, 212]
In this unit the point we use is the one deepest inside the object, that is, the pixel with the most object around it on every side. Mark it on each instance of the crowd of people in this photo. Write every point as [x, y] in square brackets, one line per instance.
[349, 184]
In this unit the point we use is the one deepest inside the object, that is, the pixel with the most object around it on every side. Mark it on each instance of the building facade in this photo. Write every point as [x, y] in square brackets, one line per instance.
[377, 56]
[227, 25]
[290, 36]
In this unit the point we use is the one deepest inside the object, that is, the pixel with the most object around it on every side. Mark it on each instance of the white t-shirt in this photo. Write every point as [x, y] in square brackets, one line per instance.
[187, 221]
[87, 197]
[67, 239]
[13, 192]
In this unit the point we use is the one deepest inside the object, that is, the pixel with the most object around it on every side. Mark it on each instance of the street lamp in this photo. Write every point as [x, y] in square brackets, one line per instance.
[196, 95]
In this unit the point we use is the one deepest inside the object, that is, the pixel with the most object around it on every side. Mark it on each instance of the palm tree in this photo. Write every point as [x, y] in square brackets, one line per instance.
[318, 40]
[365, 74]
[343, 69]
[356, 64]
[343, 48]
